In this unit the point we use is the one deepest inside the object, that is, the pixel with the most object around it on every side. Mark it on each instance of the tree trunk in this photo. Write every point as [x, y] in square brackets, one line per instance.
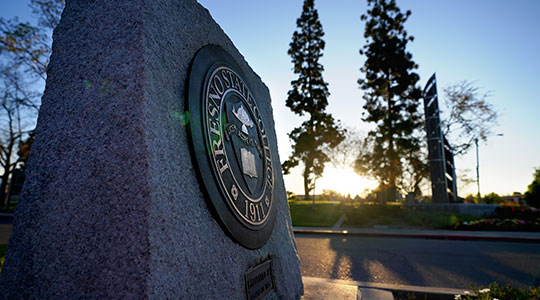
[313, 198]
[306, 184]
[6, 157]
[3, 188]
[7, 171]
[392, 155]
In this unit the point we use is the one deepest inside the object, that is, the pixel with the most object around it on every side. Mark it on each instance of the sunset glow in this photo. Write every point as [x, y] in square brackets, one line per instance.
[344, 181]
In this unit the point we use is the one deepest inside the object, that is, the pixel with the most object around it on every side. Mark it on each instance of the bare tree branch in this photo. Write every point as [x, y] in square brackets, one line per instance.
[468, 116]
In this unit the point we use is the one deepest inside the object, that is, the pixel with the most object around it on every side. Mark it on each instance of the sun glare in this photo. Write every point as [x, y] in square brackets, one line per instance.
[344, 181]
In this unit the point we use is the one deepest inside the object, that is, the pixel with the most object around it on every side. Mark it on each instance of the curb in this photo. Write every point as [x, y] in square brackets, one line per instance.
[375, 290]
[6, 218]
[471, 237]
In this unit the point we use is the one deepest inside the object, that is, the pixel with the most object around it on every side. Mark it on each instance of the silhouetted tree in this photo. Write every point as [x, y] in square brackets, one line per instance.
[390, 93]
[24, 149]
[26, 46]
[415, 170]
[532, 195]
[47, 11]
[309, 95]
[344, 154]
[16, 103]
[466, 116]
[24, 53]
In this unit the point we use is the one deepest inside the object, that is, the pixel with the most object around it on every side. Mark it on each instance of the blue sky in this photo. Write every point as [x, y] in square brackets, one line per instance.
[494, 43]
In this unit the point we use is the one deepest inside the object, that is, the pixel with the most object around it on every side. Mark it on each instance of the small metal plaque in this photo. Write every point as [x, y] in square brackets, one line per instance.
[231, 147]
[259, 281]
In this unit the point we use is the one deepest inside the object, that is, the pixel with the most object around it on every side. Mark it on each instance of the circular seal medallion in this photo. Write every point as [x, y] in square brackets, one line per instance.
[231, 147]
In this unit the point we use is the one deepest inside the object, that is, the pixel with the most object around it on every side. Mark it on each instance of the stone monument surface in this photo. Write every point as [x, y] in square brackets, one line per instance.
[115, 205]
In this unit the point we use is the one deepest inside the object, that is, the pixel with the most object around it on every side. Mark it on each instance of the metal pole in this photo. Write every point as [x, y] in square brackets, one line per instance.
[477, 169]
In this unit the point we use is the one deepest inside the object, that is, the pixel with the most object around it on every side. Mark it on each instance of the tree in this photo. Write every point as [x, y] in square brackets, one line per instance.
[24, 149]
[331, 195]
[309, 95]
[26, 46]
[344, 154]
[492, 198]
[390, 93]
[415, 170]
[24, 54]
[532, 195]
[16, 104]
[466, 116]
[47, 11]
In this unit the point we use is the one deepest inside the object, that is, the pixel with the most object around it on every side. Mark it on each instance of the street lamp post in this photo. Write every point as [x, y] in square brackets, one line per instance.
[478, 165]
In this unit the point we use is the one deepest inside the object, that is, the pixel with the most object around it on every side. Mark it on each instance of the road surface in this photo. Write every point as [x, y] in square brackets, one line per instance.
[421, 262]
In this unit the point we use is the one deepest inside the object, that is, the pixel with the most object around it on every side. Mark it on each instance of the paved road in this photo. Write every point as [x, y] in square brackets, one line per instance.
[421, 262]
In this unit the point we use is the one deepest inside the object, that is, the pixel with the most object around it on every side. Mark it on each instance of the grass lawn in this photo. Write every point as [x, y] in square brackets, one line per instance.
[324, 215]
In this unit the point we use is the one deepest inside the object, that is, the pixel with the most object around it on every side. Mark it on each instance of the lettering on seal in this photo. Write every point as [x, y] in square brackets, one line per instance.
[230, 147]
[240, 150]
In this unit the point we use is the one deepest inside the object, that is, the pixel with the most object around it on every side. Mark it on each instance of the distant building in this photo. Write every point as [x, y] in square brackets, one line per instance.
[514, 198]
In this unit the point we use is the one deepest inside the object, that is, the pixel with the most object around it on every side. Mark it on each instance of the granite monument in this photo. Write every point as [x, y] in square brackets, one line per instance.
[154, 173]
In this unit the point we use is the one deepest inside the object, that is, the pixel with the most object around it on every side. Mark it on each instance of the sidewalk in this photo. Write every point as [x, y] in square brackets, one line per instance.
[383, 231]
[506, 236]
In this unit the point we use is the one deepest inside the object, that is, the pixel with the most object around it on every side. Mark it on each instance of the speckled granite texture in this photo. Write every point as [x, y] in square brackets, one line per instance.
[111, 207]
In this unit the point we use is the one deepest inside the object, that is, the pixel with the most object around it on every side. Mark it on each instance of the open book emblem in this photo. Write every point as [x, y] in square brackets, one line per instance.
[248, 163]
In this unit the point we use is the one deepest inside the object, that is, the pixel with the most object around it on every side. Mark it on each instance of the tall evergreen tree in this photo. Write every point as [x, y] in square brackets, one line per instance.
[309, 95]
[390, 93]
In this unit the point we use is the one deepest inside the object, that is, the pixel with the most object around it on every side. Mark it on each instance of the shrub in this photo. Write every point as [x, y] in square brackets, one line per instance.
[500, 225]
[496, 291]
[532, 195]
[517, 212]
[436, 220]
[381, 214]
